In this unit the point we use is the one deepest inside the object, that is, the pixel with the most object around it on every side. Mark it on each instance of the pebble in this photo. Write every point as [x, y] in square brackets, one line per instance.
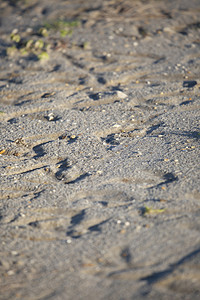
[138, 228]
[10, 272]
[168, 30]
[116, 125]
[50, 117]
[127, 224]
[15, 31]
[139, 153]
[99, 172]
[121, 95]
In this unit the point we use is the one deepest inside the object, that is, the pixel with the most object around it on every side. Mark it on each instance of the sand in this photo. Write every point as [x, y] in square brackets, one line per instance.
[99, 118]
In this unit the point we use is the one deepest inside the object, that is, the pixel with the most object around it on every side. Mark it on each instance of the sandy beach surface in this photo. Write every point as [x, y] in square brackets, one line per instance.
[99, 149]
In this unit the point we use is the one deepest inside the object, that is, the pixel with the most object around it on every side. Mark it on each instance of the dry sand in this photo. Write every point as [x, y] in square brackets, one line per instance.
[99, 149]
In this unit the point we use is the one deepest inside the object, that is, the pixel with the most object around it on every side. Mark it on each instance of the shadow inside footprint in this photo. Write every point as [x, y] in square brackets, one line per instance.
[111, 139]
[97, 227]
[63, 166]
[157, 276]
[78, 218]
[75, 220]
[169, 177]
[77, 179]
[39, 151]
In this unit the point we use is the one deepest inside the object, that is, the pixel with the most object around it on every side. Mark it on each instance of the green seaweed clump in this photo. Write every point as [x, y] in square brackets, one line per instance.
[24, 46]
[62, 26]
[148, 210]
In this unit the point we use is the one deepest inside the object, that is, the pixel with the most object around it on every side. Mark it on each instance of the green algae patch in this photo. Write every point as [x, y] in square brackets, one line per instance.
[146, 210]
[43, 55]
[62, 26]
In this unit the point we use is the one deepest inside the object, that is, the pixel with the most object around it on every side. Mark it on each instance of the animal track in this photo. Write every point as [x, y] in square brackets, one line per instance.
[166, 277]
[63, 167]
[79, 226]
[39, 150]
[88, 150]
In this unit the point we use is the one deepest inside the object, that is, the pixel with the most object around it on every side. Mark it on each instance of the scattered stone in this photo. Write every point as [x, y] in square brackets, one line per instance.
[121, 95]
[127, 224]
[10, 272]
[51, 117]
[73, 136]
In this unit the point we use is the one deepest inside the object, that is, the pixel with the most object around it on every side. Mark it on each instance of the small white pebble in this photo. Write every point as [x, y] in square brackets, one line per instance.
[15, 31]
[51, 117]
[99, 172]
[29, 30]
[10, 272]
[121, 95]
[139, 153]
[138, 228]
